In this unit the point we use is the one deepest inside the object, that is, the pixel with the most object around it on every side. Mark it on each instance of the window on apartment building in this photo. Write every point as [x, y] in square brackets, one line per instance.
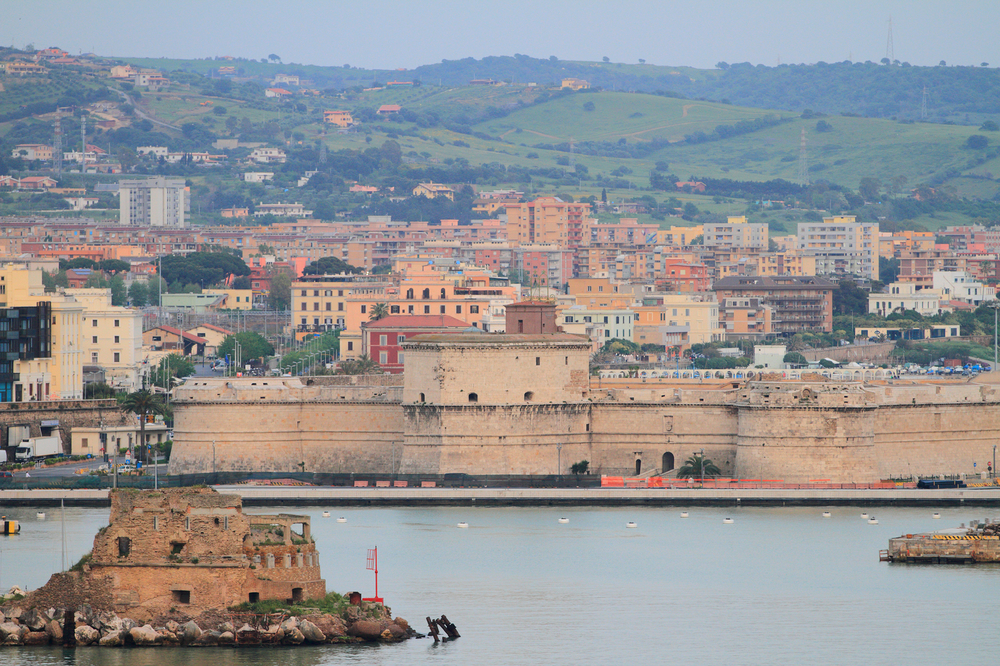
[442, 309]
[474, 309]
[340, 307]
[589, 288]
[458, 309]
[303, 292]
[409, 309]
[443, 294]
[364, 309]
[329, 306]
[687, 312]
[328, 292]
[315, 306]
[94, 340]
[409, 293]
[118, 338]
[393, 309]
[350, 346]
[426, 294]
[118, 357]
[118, 323]
[605, 320]
[304, 306]
[427, 309]
[316, 321]
[315, 292]
[93, 357]
[303, 321]
[400, 339]
[340, 292]
[400, 358]
[93, 322]
[383, 358]
[383, 340]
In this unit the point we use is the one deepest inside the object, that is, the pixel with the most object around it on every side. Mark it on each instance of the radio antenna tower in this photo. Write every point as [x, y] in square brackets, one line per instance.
[571, 153]
[83, 140]
[923, 105]
[803, 171]
[888, 44]
[57, 147]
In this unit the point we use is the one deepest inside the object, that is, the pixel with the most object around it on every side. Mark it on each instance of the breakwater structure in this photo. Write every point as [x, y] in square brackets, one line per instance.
[526, 405]
[980, 542]
[188, 567]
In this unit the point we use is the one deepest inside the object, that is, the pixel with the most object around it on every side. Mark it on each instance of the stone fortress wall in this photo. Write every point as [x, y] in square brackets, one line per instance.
[522, 404]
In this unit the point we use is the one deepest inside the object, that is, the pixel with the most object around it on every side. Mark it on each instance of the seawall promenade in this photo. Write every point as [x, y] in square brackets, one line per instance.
[331, 497]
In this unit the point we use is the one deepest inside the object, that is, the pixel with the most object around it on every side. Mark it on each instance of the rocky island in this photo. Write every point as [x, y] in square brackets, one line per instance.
[188, 567]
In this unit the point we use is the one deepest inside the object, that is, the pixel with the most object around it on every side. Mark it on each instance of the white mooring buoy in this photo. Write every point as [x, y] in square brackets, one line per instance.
[684, 514]
[463, 525]
[326, 514]
[631, 525]
[826, 514]
[564, 520]
[728, 521]
[341, 520]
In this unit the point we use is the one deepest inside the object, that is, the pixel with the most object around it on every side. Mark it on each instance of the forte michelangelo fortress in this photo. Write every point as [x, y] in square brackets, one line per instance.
[526, 404]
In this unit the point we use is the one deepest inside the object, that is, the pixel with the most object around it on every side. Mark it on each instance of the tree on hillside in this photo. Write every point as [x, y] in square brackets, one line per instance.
[274, 58]
[977, 142]
[378, 311]
[869, 188]
[850, 299]
[113, 266]
[242, 282]
[143, 403]
[888, 269]
[253, 346]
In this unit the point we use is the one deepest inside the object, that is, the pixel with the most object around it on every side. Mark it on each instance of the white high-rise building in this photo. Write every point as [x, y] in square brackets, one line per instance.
[841, 246]
[153, 202]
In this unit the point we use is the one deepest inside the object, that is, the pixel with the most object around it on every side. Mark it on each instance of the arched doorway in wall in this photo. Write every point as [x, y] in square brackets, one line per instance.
[638, 466]
[668, 462]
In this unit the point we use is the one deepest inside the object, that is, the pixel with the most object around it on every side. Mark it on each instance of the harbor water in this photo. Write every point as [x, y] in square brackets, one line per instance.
[775, 586]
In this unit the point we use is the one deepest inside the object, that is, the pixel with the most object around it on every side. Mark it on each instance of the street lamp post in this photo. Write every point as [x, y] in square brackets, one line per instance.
[702, 465]
[995, 305]
[559, 458]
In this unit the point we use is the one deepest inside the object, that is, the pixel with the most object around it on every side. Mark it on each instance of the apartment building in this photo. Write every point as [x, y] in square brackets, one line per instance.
[111, 337]
[900, 296]
[736, 233]
[798, 304]
[40, 353]
[841, 246]
[745, 318]
[548, 220]
[153, 202]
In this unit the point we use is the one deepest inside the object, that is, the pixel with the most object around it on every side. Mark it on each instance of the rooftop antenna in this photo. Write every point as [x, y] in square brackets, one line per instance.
[803, 171]
[57, 147]
[923, 105]
[888, 44]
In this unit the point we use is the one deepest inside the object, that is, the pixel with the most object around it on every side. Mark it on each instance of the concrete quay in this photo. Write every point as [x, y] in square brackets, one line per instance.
[331, 496]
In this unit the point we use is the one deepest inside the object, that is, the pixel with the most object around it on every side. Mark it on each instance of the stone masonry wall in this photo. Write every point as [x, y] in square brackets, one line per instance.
[69, 413]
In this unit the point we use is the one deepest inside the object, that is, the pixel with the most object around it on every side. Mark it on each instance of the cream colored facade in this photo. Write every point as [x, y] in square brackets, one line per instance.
[87, 440]
[736, 233]
[60, 375]
[236, 299]
[905, 296]
[111, 337]
[700, 315]
[841, 245]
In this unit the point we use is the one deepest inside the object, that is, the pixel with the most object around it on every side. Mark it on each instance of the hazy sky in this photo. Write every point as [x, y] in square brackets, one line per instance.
[392, 34]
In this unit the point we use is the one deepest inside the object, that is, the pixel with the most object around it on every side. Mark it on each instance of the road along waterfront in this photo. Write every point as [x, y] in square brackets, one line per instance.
[401, 497]
[776, 586]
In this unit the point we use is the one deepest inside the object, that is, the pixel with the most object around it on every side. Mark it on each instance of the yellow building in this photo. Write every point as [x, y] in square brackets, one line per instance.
[700, 314]
[433, 190]
[111, 337]
[679, 235]
[338, 118]
[575, 84]
[40, 355]
[236, 299]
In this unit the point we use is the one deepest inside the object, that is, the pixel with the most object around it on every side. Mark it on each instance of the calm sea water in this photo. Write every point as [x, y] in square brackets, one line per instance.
[779, 586]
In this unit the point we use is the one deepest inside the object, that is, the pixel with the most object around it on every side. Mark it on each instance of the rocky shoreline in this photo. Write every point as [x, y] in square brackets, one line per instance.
[367, 622]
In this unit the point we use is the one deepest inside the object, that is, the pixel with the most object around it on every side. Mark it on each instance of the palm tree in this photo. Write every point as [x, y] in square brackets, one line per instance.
[698, 467]
[142, 403]
[363, 365]
[379, 311]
